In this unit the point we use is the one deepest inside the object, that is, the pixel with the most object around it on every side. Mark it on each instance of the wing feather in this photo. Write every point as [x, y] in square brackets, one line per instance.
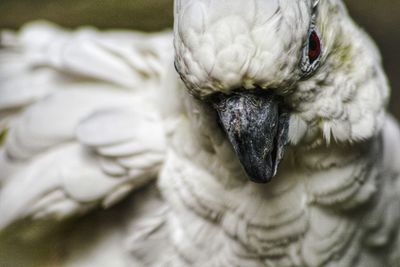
[82, 132]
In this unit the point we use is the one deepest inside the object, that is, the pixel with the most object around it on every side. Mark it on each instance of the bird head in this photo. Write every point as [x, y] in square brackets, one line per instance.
[280, 73]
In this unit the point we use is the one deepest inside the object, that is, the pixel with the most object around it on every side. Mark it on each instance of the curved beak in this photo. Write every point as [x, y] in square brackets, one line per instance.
[257, 129]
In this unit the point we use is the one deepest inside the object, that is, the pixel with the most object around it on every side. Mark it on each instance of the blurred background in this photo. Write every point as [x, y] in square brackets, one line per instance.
[380, 18]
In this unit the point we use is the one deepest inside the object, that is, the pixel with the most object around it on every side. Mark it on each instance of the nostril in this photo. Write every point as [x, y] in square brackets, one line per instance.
[216, 99]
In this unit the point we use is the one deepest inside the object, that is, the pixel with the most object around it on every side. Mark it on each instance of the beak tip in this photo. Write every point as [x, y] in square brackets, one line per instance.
[258, 181]
[261, 177]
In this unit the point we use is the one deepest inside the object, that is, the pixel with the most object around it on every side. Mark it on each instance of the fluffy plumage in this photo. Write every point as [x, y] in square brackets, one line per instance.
[99, 116]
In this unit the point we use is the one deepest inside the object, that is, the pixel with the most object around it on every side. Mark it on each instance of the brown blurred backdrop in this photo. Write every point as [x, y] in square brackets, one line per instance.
[380, 18]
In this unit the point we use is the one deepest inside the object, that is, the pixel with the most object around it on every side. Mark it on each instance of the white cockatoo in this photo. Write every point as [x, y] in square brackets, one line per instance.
[275, 150]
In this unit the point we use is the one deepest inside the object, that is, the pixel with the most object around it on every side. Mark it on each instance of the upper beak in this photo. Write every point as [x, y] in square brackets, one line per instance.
[258, 130]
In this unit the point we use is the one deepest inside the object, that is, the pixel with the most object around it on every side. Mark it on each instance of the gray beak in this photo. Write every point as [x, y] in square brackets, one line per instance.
[257, 129]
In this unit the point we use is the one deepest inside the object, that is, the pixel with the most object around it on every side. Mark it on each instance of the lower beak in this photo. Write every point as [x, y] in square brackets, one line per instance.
[258, 131]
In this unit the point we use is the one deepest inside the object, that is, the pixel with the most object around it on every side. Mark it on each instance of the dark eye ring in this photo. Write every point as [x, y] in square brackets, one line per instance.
[314, 47]
[312, 51]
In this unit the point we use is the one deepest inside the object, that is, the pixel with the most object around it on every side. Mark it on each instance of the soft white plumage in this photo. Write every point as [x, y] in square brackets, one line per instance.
[93, 118]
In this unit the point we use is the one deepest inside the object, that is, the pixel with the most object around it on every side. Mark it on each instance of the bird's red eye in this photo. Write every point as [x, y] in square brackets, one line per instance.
[314, 47]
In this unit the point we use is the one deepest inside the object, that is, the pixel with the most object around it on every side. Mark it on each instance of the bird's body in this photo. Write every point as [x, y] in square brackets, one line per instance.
[99, 116]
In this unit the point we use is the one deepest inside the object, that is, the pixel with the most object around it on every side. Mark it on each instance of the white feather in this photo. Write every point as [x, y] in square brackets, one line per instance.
[95, 118]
